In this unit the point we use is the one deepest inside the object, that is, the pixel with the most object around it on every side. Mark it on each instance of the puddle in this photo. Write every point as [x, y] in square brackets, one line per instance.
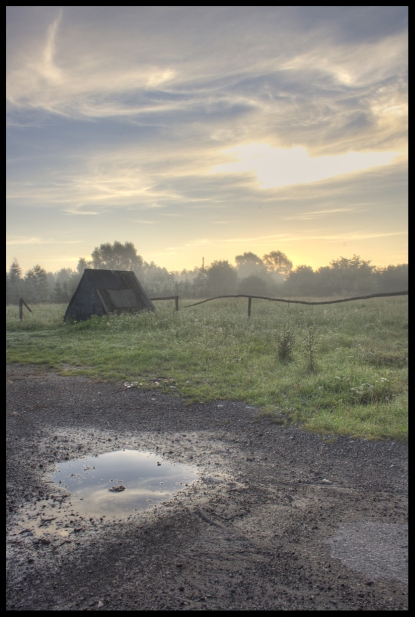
[114, 485]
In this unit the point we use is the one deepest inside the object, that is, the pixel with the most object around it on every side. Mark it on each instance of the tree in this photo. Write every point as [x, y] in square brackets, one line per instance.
[392, 278]
[157, 281]
[200, 283]
[36, 284]
[15, 272]
[352, 275]
[300, 282]
[254, 285]
[14, 283]
[58, 293]
[222, 278]
[250, 264]
[117, 256]
[82, 264]
[278, 262]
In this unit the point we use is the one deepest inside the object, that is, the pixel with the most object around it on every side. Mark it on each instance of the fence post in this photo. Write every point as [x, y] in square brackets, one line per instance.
[176, 300]
[21, 302]
[249, 306]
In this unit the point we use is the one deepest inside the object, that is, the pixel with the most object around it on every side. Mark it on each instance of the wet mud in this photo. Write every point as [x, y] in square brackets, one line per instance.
[274, 517]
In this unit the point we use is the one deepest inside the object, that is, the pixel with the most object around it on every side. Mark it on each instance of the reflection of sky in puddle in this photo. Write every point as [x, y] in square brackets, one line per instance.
[146, 482]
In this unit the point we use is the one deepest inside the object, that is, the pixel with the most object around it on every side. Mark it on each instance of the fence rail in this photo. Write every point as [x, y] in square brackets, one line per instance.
[175, 298]
[382, 295]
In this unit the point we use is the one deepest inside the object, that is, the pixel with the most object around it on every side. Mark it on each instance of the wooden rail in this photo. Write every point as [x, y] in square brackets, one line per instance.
[382, 295]
[175, 298]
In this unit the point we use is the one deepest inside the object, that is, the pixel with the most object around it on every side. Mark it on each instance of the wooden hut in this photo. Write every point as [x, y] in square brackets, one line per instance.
[105, 292]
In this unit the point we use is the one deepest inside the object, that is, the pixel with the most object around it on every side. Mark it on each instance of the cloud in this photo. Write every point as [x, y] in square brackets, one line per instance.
[277, 167]
[25, 240]
[121, 113]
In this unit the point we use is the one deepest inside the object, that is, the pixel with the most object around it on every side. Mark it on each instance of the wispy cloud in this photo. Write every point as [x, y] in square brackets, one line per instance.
[25, 240]
[278, 167]
[207, 126]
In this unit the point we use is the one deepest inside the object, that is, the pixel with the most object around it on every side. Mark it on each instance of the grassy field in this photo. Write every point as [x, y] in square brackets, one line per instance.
[337, 369]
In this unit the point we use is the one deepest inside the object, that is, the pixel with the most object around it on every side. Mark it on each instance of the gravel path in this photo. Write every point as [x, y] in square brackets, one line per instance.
[280, 518]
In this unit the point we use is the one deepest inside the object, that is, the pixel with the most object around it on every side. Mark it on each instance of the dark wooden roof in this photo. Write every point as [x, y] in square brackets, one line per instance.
[107, 291]
[119, 289]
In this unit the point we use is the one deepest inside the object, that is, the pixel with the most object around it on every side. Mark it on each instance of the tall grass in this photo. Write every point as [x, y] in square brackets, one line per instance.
[344, 370]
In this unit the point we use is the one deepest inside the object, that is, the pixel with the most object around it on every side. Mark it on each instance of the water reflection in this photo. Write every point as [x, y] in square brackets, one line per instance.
[147, 478]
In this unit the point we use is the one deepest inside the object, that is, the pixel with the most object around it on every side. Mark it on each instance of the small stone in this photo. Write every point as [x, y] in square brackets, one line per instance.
[325, 481]
[117, 489]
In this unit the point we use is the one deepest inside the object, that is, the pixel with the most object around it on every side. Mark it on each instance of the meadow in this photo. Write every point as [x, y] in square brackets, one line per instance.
[334, 369]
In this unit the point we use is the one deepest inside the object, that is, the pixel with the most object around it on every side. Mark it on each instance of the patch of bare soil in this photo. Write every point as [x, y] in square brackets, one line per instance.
[279, 519]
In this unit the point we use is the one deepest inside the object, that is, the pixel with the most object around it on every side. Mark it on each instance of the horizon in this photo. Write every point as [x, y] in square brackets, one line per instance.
[207, 265]
[207, 132]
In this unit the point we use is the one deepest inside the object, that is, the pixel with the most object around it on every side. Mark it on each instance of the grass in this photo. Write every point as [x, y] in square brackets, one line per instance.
[342, 371]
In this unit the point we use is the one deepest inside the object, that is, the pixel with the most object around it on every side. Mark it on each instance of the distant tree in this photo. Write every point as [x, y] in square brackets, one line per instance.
[276, 261]
[250, 264]
[82, 264]
[64, 274]
[184, 282]
[15, 272]
[324, 282]
[200, 284]
[392, 278]
[155, 280]
[51, 285]
[7, 289]
[221, 278]
[14, 283]
[117, 256]
[58, 293]
[254, 285]
[353, 275]
[300, 282]
[36, 285]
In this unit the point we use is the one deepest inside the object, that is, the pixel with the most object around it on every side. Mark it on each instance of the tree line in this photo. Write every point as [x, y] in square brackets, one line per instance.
[271, 275]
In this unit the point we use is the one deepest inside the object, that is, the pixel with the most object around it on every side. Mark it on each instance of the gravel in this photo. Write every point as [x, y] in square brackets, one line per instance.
[279, 519]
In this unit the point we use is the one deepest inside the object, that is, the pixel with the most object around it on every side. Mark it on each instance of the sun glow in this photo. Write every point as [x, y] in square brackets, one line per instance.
[276, 167]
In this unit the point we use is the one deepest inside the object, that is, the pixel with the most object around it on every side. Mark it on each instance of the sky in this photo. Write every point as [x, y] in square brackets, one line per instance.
[207, 132]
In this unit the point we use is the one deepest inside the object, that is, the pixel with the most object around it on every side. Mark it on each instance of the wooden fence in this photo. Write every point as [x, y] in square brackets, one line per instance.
[250, 298]
[175, 298]
[382, 295]
[21, 303]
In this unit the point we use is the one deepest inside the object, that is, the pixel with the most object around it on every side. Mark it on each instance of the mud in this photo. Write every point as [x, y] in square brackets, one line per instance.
[279, 518]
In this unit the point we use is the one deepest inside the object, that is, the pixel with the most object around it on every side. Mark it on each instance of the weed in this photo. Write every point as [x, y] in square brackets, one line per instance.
[285, 344]
[310, 350]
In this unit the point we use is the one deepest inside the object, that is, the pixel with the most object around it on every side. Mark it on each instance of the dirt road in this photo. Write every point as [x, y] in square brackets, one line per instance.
[279, 519]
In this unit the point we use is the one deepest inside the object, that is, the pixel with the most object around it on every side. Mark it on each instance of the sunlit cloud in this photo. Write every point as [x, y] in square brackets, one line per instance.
[320, 213]
[276, 167]
[81, 212]
[22, 240]
[138, 124]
